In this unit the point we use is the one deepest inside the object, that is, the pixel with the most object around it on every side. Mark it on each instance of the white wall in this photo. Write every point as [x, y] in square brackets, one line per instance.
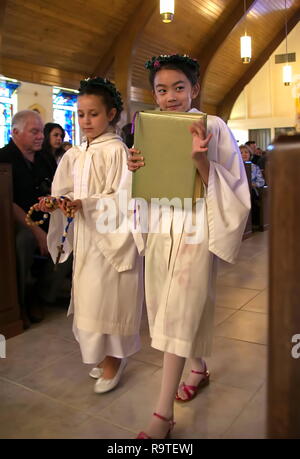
[30, 95]
[265, 102]
[35, 94]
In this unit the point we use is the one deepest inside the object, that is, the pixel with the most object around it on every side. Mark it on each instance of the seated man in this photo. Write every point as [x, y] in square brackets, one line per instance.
[32, 175]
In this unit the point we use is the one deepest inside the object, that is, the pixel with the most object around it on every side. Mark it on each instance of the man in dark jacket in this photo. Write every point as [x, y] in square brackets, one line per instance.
[32, 175]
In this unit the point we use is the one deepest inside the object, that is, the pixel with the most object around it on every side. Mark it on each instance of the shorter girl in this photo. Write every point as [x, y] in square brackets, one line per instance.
[107, 292]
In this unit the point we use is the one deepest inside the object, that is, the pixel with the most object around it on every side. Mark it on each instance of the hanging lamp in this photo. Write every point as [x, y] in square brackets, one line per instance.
[167, 10]
[287, 69]
[245, 43]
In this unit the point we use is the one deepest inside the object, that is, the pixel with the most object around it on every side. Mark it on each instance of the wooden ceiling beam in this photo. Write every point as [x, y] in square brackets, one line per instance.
[122, 50]
[3, 5]
[225, 107]
[129, 33]
[228, 20]
[58, 15]
[39, 74]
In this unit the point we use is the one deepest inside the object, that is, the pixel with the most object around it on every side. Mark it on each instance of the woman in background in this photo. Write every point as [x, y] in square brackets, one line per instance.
[52, 148]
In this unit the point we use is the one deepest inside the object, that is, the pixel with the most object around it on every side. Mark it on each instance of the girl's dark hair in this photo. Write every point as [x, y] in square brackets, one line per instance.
[107, 91]
[184, 63]
[46, 146]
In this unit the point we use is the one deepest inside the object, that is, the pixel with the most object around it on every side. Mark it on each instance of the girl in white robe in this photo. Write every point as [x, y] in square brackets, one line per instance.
[180, 276]
[107, 291]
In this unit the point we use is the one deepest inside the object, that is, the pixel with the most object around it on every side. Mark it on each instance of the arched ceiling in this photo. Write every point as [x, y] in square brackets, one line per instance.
[59, 42]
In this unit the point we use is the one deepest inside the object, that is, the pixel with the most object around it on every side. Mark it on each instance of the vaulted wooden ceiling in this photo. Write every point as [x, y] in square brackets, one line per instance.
[59, 42]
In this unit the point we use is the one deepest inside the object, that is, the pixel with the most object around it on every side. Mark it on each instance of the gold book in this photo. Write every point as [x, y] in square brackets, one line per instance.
[165, 142]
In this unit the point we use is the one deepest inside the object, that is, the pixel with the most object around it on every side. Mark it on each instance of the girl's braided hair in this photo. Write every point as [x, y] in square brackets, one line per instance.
[107, 90]
[183, 62]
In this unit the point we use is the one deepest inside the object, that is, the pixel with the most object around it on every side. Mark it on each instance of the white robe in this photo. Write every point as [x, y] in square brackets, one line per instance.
[179, 277]
[107, 293]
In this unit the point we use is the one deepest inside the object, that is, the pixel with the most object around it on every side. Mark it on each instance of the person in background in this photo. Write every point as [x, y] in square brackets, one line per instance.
[262, 161]
[52, 148]
[257, 182]
[32, 175]
[255, 154]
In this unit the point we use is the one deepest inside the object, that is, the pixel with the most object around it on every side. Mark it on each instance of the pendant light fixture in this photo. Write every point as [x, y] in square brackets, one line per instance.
[287, 69]
[167, 10]
[245, 43]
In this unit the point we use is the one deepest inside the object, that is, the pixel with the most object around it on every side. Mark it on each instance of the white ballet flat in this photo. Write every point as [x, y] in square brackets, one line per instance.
[105, 385]
[96, 372]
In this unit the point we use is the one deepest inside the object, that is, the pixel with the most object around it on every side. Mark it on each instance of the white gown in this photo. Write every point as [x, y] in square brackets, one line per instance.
[179, 277]
[107, 290]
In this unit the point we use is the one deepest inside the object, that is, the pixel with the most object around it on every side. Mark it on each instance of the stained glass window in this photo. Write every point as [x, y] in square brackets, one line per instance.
[7, 109]
[65, 113]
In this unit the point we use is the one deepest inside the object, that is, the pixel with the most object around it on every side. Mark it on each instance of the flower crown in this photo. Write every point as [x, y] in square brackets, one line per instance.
[98, 82]
[155, 63]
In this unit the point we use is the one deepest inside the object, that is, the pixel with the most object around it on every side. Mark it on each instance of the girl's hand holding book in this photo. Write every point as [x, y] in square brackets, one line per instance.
[135, 161]
[200, 140]
[200, 148]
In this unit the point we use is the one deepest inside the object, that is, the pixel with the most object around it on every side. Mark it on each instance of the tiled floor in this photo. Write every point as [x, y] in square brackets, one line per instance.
[45, 390]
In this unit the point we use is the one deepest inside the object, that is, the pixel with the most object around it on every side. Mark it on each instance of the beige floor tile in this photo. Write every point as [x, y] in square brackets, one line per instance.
[68, 381]
[237, 363]
[222, 314]
[28, 414]
[244, 326]
[134, 408]
[258, 304]
[57, 323]
[249, 252]
[53, 396]
[245, 276]
[93, 429]
[33, 350]
[208, 416]
[251, 423]
[211, 412]
[234, 297]
[224, 267]
[148, 354]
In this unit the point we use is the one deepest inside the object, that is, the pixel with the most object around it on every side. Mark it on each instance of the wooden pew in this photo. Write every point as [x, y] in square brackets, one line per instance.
[264, 208]
[284, 290]
[10, 322]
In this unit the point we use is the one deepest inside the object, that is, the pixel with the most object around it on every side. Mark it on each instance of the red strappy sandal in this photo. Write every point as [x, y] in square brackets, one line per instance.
[144, 436]
[191, 391]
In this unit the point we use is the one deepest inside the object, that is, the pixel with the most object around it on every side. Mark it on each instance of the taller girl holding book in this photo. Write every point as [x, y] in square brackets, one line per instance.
[180, 277]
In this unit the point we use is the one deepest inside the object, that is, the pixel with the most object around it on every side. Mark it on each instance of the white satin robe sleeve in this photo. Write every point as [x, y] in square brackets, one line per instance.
[117, 245]
[228, 197]
[62, 185]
